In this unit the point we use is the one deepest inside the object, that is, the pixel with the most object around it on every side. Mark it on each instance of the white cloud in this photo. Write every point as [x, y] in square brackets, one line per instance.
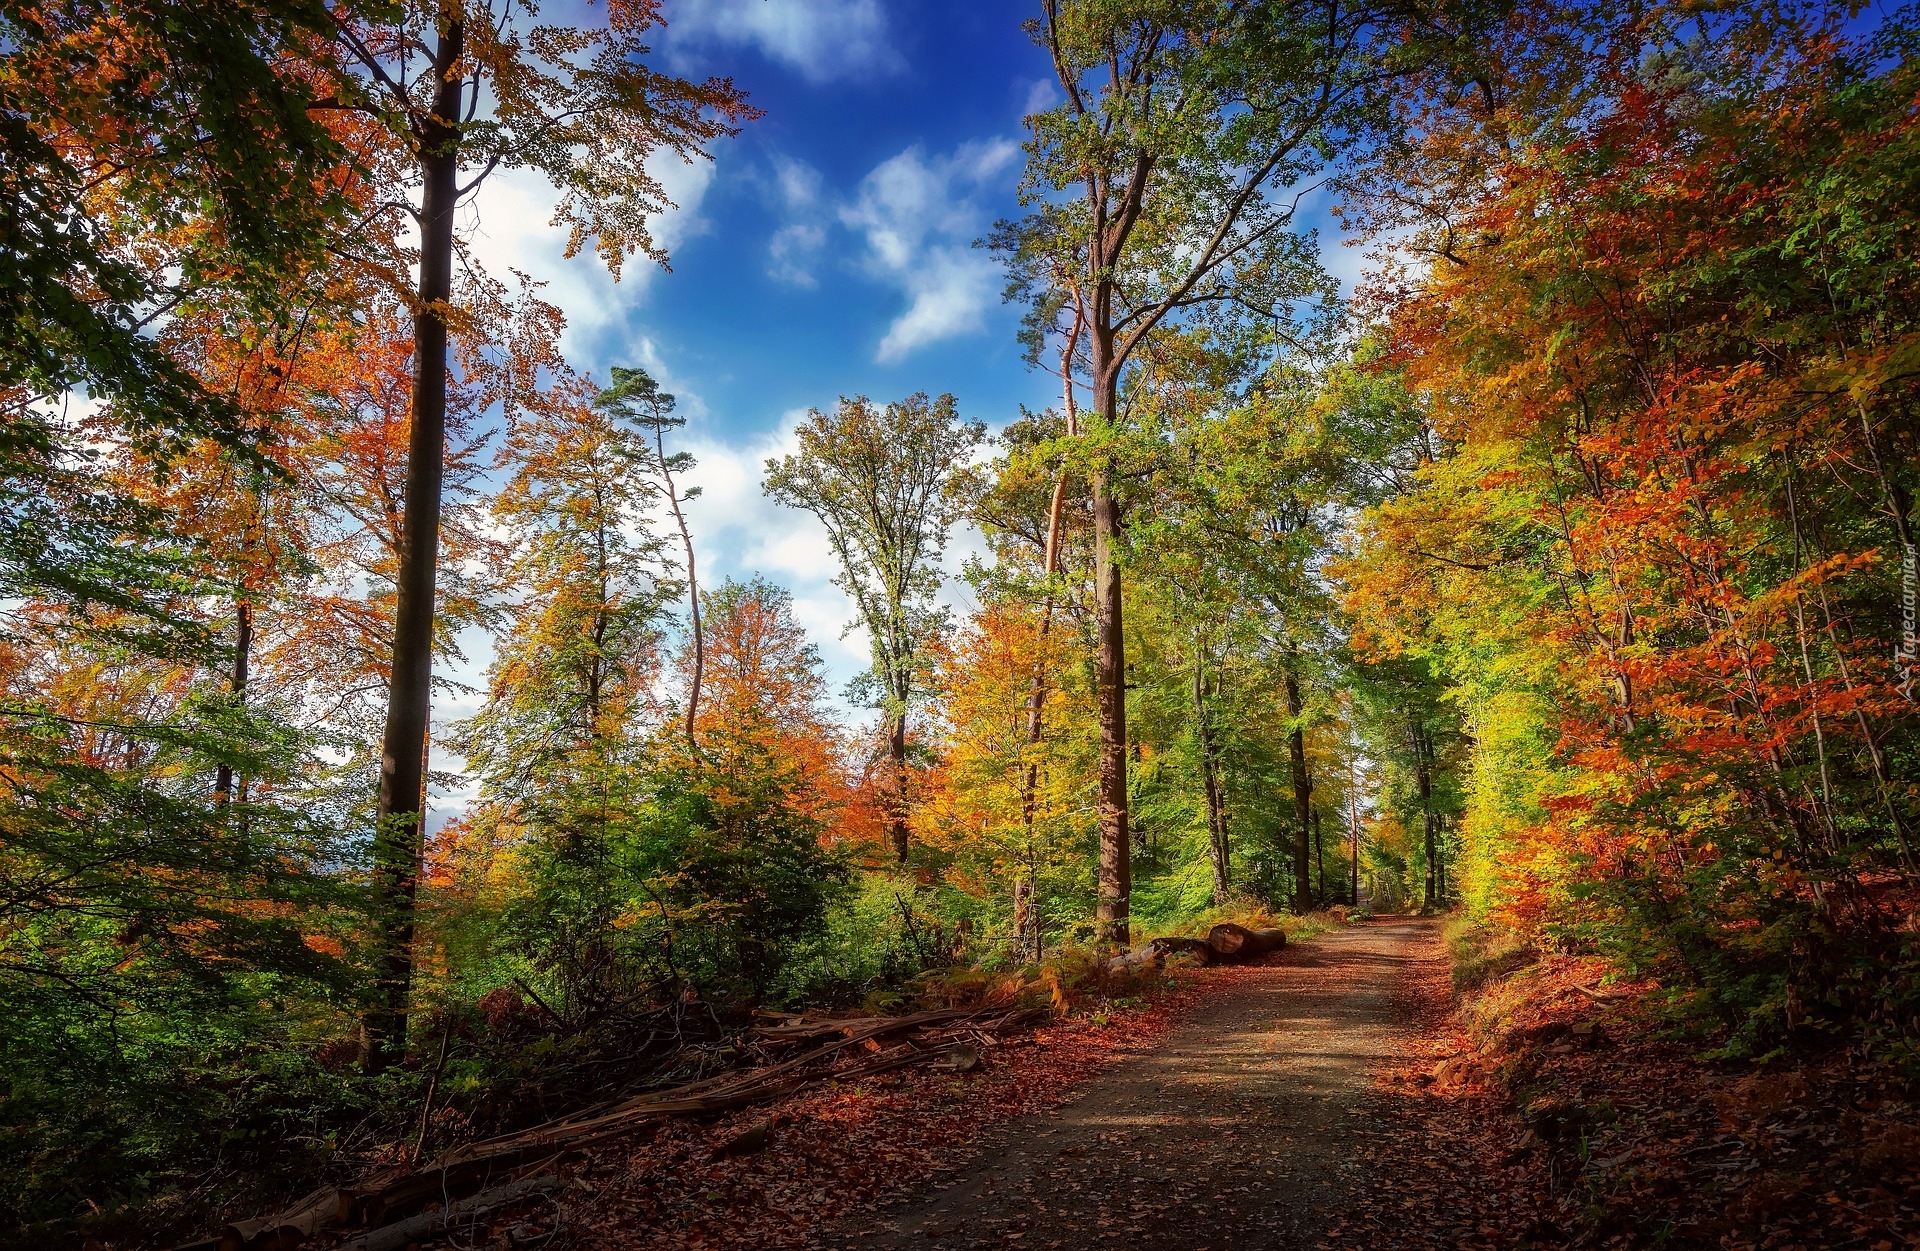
[951, 290]
[795, 189]
[792, 250]
[738, 532]
[1041, 96]
[509, 225]
[822, 39]
[918, 217]
[919, 221]
[797, 182]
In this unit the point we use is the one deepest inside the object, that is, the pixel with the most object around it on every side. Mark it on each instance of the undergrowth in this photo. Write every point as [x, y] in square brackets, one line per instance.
[1482, 952]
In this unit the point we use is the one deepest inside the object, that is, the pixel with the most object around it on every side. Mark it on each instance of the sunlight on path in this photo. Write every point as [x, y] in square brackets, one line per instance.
[1234, 1135]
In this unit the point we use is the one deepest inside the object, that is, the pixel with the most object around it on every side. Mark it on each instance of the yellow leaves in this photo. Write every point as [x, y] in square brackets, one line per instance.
[1863, 372]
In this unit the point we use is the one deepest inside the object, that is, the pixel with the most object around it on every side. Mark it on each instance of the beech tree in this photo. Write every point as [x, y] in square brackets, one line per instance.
[638, 400]
[882, 482]
[468, 89]
[1163, 190]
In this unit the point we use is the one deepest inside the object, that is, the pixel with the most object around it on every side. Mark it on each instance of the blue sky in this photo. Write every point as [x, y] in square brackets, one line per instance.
[825, 251]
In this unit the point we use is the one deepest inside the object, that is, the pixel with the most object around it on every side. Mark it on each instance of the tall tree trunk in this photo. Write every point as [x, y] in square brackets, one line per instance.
[1319, 860]
[1898, 509]
[1025, 927]
[242, 649]
[1423, 779]
[403, 745]
[1210, 774]
[693, 582]
[1050, 567]
[897, 760]
[1302, 800]
[1353, 881]
[1353, 822]
[1114, 903]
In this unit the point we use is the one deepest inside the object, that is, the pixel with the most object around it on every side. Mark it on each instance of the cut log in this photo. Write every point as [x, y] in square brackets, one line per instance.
[284, 1229]
[1224, 944]
[1236, 944]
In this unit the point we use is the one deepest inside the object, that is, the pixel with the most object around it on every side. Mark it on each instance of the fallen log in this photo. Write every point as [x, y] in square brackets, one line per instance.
[1224, 944]
[284, 1229]
[389, 1194]
[1155, 951]
[1236, 944]
[395, 1236]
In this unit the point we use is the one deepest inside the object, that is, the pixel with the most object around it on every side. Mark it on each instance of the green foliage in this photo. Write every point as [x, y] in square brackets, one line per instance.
[157, 946]
[882, 479]
[880, 937]
[735, 878]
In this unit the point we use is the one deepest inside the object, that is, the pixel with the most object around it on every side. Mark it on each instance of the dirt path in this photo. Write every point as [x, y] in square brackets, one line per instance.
[1232, 1136]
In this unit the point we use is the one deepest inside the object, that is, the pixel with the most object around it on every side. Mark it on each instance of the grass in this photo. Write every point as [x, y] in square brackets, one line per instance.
[1484, 953]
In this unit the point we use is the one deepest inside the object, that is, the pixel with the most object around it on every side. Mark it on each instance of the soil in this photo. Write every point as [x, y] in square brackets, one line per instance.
[1239, 1131]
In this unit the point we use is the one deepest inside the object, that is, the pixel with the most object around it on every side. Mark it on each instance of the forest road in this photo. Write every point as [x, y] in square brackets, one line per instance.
[1232, 1135]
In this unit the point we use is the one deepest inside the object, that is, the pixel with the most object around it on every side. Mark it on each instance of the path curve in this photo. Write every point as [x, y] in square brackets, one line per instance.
[1235, 1134]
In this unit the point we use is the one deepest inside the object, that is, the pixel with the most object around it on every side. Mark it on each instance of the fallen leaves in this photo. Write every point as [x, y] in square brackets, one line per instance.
[831, 1150]
[1579, 1125]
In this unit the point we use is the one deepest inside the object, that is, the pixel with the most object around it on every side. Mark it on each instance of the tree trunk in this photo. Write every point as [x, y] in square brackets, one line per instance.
[1353, 821]
[1113, 908]
[1050, 566]
[403, 746]
[1234, 944]
[1302, 800]
[1423, 778]
[1353, 882]
[1024, 925]
[1224, 944]
[897, 758]
[242, 649]
[1319, 861]
[693, 584]
[1210, 773]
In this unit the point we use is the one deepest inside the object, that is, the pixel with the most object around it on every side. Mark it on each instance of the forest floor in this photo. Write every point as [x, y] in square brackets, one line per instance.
[1336, 1096]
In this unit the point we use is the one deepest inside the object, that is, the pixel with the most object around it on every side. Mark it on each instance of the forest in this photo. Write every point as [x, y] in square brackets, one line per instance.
[1559, 576]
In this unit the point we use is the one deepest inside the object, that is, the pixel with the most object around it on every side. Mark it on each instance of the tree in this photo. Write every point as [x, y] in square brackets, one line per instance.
[1656, 482]
[1182, 128]
[561, 745]
[572, 682]
[158, 166]
[1035, 528]
[636, 398]
[1007, 813]
[468, 89]
[882, 482]
[154, 157]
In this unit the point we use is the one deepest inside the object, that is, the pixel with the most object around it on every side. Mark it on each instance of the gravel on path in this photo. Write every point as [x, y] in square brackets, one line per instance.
[1236, 1134]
